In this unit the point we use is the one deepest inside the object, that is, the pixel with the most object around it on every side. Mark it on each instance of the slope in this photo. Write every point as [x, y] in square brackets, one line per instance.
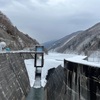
[14, 39]
[80, 43]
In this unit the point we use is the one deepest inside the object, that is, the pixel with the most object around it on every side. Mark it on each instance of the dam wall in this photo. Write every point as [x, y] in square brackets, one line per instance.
[55, 87]
[75, 81]
[14, 81]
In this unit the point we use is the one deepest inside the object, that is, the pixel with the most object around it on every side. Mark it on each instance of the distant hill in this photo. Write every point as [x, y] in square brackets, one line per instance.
[48, 44]
[12, 36]
[62, 41]
[79, 42]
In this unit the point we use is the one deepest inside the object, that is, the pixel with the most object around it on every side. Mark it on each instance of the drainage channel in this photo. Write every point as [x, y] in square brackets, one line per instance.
[36, 92]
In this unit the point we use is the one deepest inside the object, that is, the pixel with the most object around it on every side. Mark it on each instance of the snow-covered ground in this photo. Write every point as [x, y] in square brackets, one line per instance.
[94, 57]
[31, 70]
[51, 60]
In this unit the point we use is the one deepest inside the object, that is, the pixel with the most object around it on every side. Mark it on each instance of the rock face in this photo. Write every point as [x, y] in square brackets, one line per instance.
[74, 82]
[55, 87]
[14, 81]
[80, 43]
[12, 36]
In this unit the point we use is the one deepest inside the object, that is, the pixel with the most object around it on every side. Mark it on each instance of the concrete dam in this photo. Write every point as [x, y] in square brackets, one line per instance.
[73, 81]
[14, 81]
[76, 81]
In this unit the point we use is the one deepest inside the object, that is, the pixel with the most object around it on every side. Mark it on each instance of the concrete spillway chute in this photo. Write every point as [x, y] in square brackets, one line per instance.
[38, 64]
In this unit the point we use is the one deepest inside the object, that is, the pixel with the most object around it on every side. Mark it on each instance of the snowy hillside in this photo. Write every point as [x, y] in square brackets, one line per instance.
[79, 43]
[55, 44]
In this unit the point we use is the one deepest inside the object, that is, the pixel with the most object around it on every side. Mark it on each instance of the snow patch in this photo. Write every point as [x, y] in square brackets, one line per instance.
[80, 59]
[53, 60]
[94, 57]
[50, 61]
[21, 41]
[31, 70]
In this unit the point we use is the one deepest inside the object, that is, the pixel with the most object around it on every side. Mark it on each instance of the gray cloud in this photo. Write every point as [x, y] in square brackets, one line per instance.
[43, 1]
[51, 19]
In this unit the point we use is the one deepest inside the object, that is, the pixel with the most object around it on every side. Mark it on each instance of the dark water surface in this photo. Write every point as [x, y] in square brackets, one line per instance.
[36, 94]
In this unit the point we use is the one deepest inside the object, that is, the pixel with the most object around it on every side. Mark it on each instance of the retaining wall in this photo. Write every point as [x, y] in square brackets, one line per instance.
[14, 81]
[74, 82]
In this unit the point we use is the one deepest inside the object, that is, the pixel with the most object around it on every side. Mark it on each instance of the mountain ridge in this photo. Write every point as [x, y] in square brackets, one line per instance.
[81, 43]
[15, 39]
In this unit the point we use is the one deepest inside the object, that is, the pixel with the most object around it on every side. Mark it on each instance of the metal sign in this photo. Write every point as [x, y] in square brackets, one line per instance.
[39, 48]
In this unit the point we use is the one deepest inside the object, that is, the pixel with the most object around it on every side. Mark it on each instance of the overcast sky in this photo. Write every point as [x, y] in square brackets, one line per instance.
[47, 20]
